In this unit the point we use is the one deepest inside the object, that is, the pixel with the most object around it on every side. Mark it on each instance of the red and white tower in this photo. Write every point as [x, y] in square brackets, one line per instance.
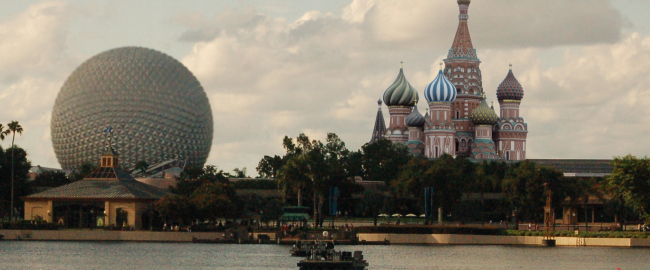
[462, 69]
[511, 130]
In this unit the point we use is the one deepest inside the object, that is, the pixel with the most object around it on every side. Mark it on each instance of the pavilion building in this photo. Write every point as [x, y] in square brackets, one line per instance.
[108, 196]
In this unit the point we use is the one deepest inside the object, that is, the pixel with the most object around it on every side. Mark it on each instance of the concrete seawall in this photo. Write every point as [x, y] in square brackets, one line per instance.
[395, 239]
[462, 239]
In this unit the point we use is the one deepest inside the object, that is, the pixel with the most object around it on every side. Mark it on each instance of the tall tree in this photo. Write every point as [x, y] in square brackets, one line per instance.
[50, 179]
[20, 185]
[372, 204]
[293, 177]
[193, 178]
[13, 128]
[383, 160]
[630, 181]
[269, 166]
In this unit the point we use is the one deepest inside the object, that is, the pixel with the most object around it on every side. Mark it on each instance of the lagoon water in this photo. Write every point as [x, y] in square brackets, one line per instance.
[100, 255]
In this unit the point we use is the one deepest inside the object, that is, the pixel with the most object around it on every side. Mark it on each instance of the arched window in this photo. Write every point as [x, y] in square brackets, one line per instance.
[457, 114]
[457, 146]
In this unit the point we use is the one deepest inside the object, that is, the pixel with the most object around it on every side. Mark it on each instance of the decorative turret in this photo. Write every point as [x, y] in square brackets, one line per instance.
[510, 88]
[484, 115]
[109, 158]
[415, 119]
[511, 129]
[400, 98]
[400, 93]
[440, 89]
[462, 46]
[379, 132]
[484, 119]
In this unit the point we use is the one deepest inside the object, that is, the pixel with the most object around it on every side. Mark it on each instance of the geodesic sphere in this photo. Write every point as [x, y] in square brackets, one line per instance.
[156, 108]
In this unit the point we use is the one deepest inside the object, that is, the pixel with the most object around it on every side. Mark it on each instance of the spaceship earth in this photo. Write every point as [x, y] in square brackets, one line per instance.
[155, 108]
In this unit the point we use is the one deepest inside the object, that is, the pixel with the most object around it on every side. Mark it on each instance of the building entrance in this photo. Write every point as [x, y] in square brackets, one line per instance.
[78, 214]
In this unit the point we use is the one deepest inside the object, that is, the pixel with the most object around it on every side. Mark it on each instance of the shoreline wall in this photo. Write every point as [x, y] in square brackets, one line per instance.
[463, 239]
[395, 239]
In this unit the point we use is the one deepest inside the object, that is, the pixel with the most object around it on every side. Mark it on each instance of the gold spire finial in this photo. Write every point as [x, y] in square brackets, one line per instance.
[440, 65]
[483, 95]
[510, 65]
[401, 64]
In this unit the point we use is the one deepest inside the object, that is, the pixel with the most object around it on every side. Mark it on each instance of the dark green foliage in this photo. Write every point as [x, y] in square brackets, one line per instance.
[51, 179]
[256, 184]
[372, 204]
[383, 160]
[21, 186]
[269, 167]
[175, 208]
[194, 177]
[82, 171]
[141, 166]
[215, 200]
[523, 187]
[629, 183]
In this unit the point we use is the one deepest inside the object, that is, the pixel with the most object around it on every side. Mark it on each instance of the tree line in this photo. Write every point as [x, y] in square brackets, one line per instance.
[306, 172]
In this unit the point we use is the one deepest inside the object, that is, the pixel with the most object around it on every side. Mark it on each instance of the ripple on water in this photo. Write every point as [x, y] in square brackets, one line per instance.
[99, 255]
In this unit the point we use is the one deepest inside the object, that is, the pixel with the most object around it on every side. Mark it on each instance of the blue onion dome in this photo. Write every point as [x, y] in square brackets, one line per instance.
[415, 119]
[510, 88]
[400, 93]
[483, 115]
[440, 89]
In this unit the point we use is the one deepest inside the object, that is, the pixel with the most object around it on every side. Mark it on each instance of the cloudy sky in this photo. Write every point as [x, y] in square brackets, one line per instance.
[281, 67]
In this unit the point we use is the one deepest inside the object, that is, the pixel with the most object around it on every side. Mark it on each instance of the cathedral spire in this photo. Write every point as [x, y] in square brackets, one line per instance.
[462, 45]
[379, 132]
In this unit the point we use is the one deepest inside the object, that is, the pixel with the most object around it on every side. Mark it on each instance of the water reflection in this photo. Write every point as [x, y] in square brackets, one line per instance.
[97, 255]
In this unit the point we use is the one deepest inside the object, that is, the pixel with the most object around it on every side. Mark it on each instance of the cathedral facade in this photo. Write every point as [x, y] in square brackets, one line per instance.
[458, 120]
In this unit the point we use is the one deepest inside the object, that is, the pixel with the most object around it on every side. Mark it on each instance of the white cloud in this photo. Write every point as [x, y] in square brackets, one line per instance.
[268, 78]
[33, 65]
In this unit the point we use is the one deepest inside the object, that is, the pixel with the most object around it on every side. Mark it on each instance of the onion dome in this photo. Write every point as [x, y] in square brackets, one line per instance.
[464, 2]
[379, 102]
[415, 119]
[483, 115]
[510, 88]
[400, 93]
[440, 90]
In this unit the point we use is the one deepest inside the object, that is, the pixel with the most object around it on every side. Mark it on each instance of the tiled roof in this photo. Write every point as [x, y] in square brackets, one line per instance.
[103, 183]
[109, 173]
[102, 189]
[510, 88]
[578, 167]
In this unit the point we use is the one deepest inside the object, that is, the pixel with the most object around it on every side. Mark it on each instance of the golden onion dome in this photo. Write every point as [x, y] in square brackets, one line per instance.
[483, 115]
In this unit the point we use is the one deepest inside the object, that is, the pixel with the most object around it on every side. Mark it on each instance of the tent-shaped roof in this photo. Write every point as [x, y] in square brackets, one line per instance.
[104, 183]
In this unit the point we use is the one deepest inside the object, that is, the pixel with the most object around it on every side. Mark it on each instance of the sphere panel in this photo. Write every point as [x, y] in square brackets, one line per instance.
[156, 107]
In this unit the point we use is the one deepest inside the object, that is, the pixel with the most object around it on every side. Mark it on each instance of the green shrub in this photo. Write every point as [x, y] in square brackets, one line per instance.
[256, 184]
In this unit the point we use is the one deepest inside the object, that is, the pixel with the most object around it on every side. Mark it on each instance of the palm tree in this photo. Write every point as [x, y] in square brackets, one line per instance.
[2, 132]
[14, 127]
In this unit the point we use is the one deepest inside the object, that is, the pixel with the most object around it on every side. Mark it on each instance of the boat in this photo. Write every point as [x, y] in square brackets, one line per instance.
[333, 260]
[304, 247]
